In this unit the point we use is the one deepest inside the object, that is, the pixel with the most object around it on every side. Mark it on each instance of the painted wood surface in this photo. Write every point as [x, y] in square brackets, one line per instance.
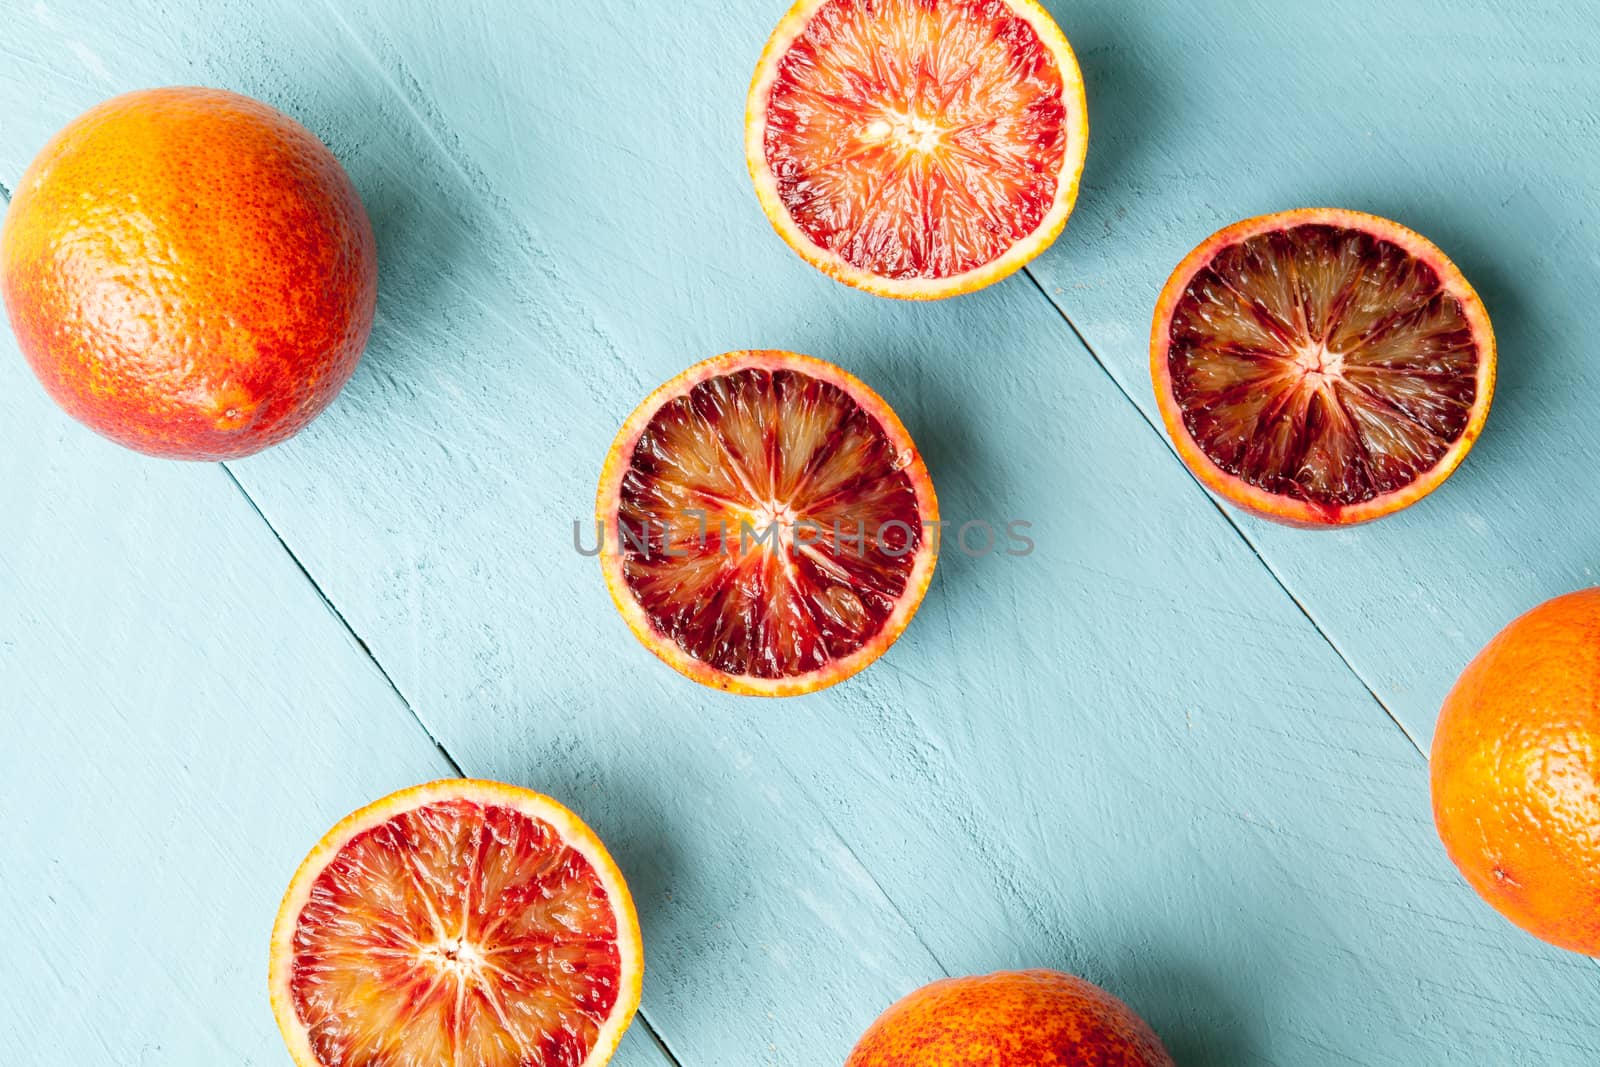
[151, 669]
[1473, 123]
[159, 678]
[1130, 754]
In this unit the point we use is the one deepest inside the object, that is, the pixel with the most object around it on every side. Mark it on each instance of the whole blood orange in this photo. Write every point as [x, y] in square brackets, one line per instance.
[917, 148]
[460, 922]
[1321, 367]
[1516, 772]
[1015, 1019]
[189, 272]
[767, 526]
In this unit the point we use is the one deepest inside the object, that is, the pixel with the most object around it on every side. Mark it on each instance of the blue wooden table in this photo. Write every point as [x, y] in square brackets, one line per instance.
[1174, 750]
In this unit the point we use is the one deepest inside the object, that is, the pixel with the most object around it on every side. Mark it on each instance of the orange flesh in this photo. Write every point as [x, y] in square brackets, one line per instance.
[776, 455]
[456, 933]
[917, 138]
[1323, 364]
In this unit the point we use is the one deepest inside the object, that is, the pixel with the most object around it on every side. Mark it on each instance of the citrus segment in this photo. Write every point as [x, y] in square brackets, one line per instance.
[1321, 367]
[767, 525]
[462, 922]
[917, 148]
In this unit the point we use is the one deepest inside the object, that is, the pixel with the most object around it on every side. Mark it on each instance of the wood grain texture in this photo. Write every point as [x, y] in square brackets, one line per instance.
[1128, 755]
[1474, 124]
[164, 668]
[184, 718]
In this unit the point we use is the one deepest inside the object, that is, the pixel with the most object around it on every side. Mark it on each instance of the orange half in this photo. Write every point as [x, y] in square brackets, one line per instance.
[767, 526]
[917, 148]
[459, 922]
[1321, 367]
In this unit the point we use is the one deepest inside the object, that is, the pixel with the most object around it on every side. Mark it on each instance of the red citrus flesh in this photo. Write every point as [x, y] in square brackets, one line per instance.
[768, 523]
[453, 933]
[917, 141]
[1329, 368]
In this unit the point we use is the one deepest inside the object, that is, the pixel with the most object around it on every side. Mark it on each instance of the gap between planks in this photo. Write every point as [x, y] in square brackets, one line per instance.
[5, 193]
[1033, 280]
[650, 1030]
[454, 764]
[439, 143]
[641, 1018]
[344, 622]
[1229, 519]
[1027, 272]
[1223, 511]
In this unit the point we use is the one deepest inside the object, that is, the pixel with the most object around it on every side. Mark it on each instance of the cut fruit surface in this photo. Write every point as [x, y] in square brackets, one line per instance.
[460, 922]
[766, 524]
[917, 148]
[1321, 367]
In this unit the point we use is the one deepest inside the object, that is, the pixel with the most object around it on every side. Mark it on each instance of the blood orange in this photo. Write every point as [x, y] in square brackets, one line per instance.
[461, 922]
[1321, 367]
[1515, 771]
[1014, 1018]
[189, 273]
[767, 526]
[917, 148]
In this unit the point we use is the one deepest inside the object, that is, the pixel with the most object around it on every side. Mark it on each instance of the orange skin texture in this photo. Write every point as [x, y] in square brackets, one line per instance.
[1014, 1018]
[1516, 772]
[189, 273]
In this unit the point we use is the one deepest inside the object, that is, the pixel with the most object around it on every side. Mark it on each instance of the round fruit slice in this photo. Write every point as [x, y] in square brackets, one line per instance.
[917, 148]
[1321, 367]
[766, 524]
[461, 922]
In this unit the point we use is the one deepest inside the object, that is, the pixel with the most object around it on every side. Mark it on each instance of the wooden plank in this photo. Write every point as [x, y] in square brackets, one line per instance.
[183, 719]
[1469, 122]
[185, 716]
[636, 798]
[1090, 761]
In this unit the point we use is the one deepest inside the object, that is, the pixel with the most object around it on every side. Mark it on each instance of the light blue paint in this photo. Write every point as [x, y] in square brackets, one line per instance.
[1129, 755]
[164, 668]
[1473, 123]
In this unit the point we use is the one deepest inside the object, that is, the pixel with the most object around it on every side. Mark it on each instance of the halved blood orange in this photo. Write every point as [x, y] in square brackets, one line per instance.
[460, 922]
[766, 525]
[917, 148]
[1321, 367]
